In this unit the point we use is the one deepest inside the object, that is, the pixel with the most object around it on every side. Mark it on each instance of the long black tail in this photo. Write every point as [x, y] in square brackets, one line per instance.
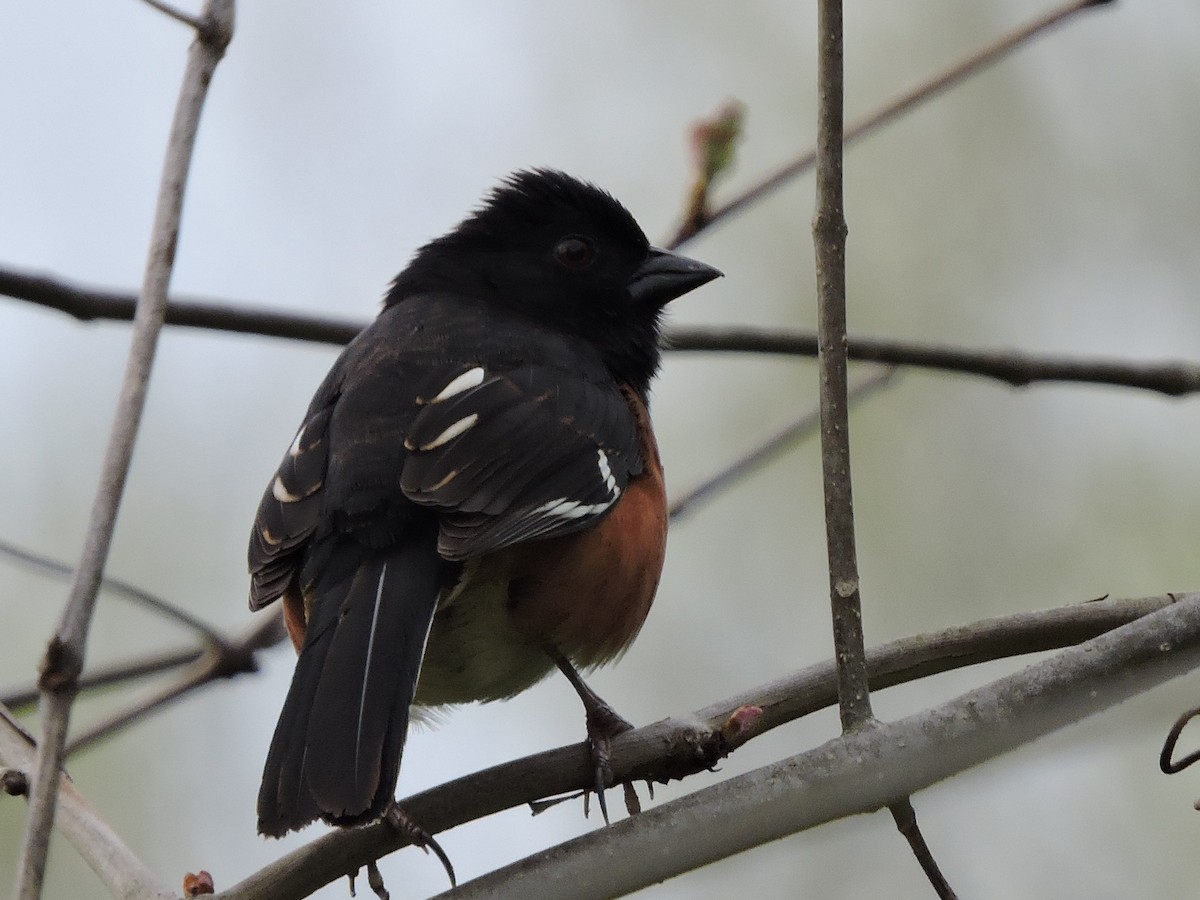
[337, 747]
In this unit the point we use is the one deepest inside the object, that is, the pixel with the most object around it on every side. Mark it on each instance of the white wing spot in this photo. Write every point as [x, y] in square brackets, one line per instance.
[464, 382]
[460, 427]
[281, 493]
[606, 473]
[294, 450]
[564, 508]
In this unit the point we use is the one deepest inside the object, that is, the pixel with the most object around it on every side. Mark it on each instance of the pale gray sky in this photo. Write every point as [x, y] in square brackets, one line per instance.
[1051, 205]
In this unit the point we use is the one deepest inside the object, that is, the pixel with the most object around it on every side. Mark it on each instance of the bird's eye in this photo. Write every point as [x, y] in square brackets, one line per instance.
[575, 252]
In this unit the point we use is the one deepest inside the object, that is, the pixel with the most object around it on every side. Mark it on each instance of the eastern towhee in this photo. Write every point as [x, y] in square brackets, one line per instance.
[475, 496]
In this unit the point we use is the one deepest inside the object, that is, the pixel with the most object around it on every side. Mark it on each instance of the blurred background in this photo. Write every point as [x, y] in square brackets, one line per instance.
[1051, 204]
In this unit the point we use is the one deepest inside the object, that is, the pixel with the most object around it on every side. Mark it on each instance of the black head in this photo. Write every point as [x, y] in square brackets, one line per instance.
[567, 256]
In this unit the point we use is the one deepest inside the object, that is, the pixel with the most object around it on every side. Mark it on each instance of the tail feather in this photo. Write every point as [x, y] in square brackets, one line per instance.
[337, 747]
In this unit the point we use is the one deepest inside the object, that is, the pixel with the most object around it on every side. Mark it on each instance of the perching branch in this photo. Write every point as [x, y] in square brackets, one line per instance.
[859, 772]
[60, 670]
[640, 754]
[668, 749]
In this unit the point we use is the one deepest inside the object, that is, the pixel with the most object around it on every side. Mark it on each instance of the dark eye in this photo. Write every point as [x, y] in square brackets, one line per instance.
[575, 252]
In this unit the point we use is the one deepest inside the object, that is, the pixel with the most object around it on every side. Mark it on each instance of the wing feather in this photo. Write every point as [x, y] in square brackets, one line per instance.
[548, 452]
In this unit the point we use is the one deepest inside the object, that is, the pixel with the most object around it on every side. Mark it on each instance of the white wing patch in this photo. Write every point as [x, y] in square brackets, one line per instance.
[464, 382]
[462, 426]
[607, 475]
[281, 493]
[294, 450]
[565, 508]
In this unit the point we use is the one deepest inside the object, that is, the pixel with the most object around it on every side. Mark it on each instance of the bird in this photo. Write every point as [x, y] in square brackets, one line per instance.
[475, 496]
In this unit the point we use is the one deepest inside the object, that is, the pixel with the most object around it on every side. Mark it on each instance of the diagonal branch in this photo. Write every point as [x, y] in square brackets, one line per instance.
[116, 586]
[859, 772]
[951, 77]
[668, 749]
[770, 449]
[237, 656]
[64, 657]
[106, 676]
[120, 870]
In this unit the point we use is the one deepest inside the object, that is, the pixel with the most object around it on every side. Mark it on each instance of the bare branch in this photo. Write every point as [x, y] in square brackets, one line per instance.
[229, 659]
[955, 75]
[1013, 367]
[116, 586]
[770, 449]
[1175, 379]
[64, 657]
[154, 664]
[119, 869]
[91, 304]
[667, 749]
[859, 772]
[829, 238]
[177, 14]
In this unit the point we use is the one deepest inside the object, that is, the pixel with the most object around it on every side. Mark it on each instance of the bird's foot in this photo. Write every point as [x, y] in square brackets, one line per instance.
[419, 837]
[603, 724]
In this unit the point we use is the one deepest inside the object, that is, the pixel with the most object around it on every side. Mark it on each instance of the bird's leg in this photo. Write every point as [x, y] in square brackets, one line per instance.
[404, 823]
[603, 724]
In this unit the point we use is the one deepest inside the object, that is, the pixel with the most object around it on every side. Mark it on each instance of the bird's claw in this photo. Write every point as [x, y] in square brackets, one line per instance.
[419, 837]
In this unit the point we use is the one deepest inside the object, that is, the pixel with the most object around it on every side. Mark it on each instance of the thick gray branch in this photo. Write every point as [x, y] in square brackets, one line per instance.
[860, 772]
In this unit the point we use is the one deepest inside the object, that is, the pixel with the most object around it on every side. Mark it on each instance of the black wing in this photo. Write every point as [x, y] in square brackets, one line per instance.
[291, 508]
[503, 432]
[508, 456]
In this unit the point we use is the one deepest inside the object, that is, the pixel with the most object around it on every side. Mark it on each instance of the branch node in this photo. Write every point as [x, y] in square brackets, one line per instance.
[14, 782]
[60, 668]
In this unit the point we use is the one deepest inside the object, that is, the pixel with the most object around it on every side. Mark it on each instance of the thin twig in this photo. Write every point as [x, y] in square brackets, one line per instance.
[829, 238]
[233, 657]
[927, 90]
[91, 304]
[59, 677]
[1014, 367]
[177, 14]
[666, 748]
[114, 586]
[18, 698]
[905, 818]
[771, 448]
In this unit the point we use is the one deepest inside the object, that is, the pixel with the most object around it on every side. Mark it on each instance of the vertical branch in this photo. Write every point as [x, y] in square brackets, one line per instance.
[829, 237]
[63, 662]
